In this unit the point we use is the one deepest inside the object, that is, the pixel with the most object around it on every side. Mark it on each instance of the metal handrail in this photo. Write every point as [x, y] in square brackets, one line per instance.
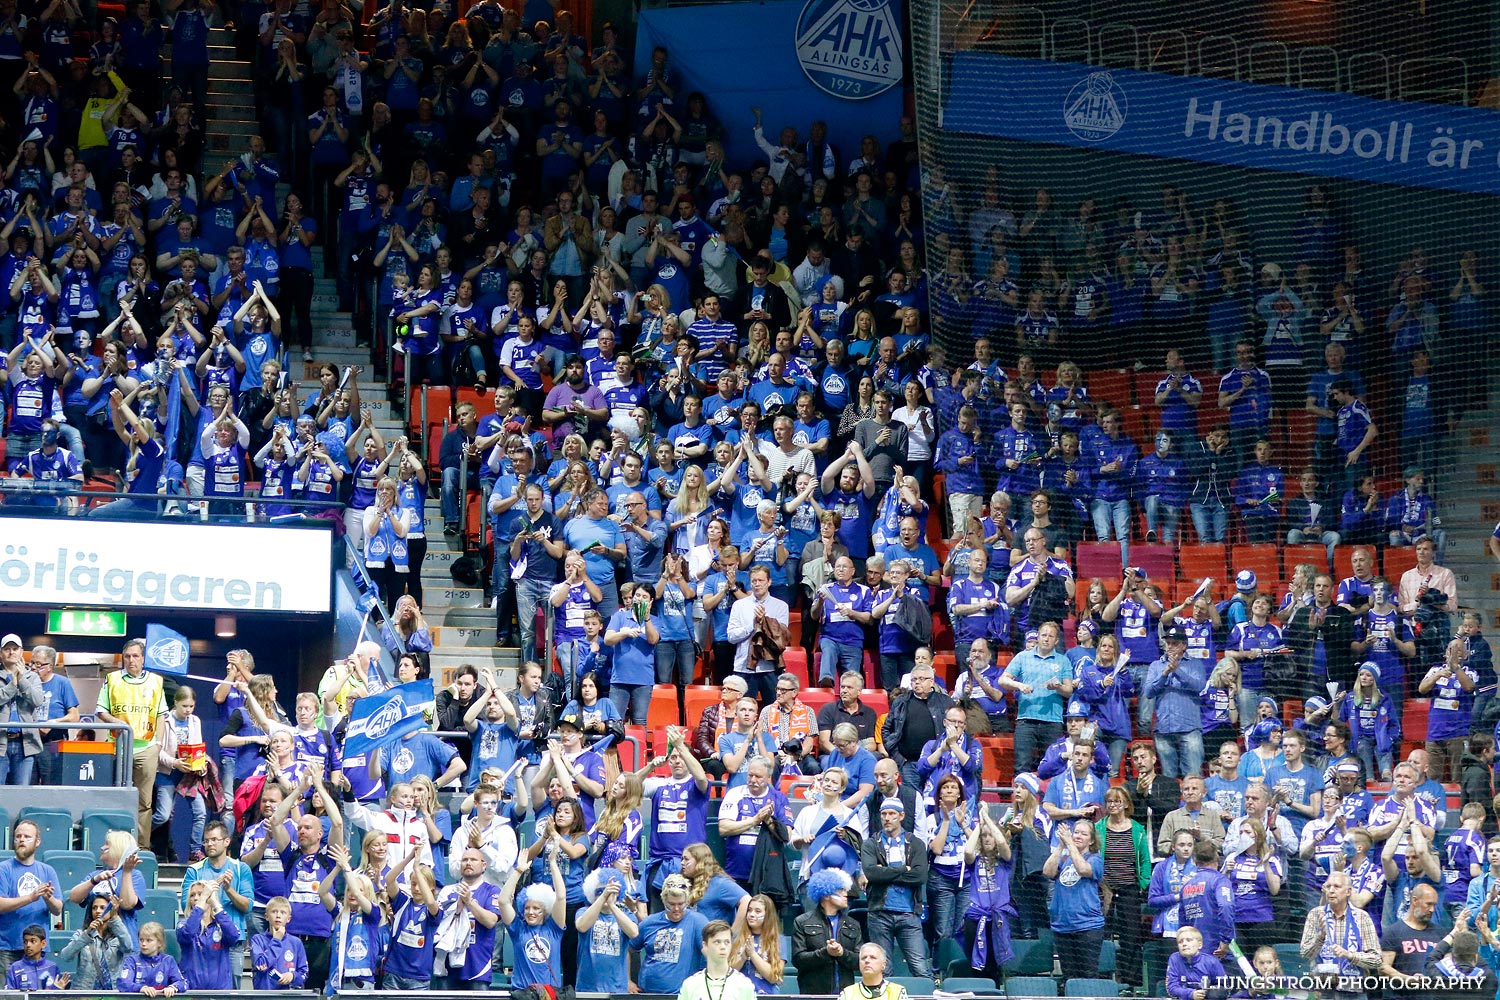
[14, 489]
[124, 750]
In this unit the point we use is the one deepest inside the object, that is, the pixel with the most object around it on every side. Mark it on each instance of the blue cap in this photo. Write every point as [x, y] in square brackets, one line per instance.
[1244, 581]
[1076, 709]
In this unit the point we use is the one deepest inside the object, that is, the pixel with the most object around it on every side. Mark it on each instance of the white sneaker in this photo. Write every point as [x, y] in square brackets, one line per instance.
[307, 355]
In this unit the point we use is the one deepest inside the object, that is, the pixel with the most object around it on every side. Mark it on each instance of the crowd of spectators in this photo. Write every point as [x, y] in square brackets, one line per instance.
[714, 425]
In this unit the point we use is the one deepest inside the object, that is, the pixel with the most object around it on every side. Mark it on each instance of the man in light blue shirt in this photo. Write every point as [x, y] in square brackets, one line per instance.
[645, 537]
[1175, 682]
[1043, 679]
[599, 540]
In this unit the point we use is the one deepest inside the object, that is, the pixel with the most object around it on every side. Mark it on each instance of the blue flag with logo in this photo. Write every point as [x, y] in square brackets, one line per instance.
[379, 719]
[166, 650]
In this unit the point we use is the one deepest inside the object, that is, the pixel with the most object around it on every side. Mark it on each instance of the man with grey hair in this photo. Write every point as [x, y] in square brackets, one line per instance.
[59, 704]
[743, 813]
[847, 708]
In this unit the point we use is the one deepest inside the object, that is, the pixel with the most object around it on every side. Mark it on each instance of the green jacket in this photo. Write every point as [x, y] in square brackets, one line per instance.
[1142, 851]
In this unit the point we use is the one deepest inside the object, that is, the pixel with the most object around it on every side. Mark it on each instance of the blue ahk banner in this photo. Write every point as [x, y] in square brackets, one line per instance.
[166, 650]
[838, 61]
[1215, 121]
[378, 719]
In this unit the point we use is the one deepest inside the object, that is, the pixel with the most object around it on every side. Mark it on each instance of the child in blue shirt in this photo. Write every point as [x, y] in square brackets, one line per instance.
[357, 941]
[278, 961]
[151, 968]
[413, 928]
[34, 970]
[205, 936]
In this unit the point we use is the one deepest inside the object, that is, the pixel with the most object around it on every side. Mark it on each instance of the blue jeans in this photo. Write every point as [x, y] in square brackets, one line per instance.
[1377, 765]
[166, 799]
[946, 903]
[1112, 520]
[1145, 707]
[1163, 517]
[838, 658]
[609, 591]
[402, 983]
[1211, 522]
[452, 502]
[1181, 753]
[888, 929]
[530, 593]
[675, 661]
[1329, 539]
[15, 766]
[227, 767]
[633, 701]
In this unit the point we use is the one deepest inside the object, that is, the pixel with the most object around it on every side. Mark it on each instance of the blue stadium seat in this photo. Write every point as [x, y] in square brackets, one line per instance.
[56, 826]
[148, 868]
[98, 822]
[1091, 988]
[916, 986]
[1030, 986]
[160, 905]
[72, 867]
[968, 984]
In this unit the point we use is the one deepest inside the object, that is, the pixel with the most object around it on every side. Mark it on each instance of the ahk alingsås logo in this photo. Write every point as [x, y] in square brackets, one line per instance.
[1095, 108]
[850, 48]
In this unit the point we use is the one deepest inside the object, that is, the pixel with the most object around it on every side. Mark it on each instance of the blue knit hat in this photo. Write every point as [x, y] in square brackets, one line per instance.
[1261, 732]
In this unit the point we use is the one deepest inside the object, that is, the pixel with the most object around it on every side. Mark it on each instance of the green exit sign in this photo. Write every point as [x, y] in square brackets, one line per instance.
[67, 621]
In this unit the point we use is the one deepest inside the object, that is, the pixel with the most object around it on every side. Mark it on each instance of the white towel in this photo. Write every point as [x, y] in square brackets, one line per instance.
[453, 935]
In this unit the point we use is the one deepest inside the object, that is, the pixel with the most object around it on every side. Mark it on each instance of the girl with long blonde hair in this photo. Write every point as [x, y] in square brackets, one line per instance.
[757, 945]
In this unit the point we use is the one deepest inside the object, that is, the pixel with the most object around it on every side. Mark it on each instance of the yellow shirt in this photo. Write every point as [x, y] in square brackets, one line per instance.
[138, 701]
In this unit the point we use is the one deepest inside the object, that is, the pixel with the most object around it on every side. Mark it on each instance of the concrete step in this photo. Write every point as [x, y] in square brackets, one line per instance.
[457, 617]
[230, 103]
[438, 556]
[231, 77]
[463, 637]
[456, 597]
[345, 356]
[501, 660]
[234, 126]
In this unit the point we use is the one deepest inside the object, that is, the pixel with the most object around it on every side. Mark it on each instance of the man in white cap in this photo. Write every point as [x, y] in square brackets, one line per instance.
[895, 864]
[21, 696]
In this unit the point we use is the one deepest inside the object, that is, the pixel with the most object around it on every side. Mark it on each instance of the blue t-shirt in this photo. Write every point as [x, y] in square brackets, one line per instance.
[635, 658]
[538, 952]
[423, 753]
[670, 952]
[16, 880]
[602, 964]
[414, 929]
[1075, 902]
[481, 950]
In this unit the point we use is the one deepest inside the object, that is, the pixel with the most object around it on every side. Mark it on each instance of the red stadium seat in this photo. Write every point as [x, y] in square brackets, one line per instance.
[1397, 561]
[1101, 559]
[697, 697]
[1145, 392]
[1264, 560]
[1157, 560]
[1111, 386]
[794, 659]
[945, 665]
[876, 699]
[1414, 719]
[664, 711]
[1202, 560]
[1317, 555]
[815, 698]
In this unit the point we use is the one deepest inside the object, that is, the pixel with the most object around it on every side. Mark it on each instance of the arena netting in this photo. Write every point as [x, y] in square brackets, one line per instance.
[1104, 183]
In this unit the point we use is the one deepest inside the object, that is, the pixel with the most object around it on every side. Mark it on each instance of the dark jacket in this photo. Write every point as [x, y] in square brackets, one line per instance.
[1213, 475]
[1165, 796]
[1474, 786]
[882, 876]
[937, 703]
[1337, 633]
[908, 796]
[817, 971]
